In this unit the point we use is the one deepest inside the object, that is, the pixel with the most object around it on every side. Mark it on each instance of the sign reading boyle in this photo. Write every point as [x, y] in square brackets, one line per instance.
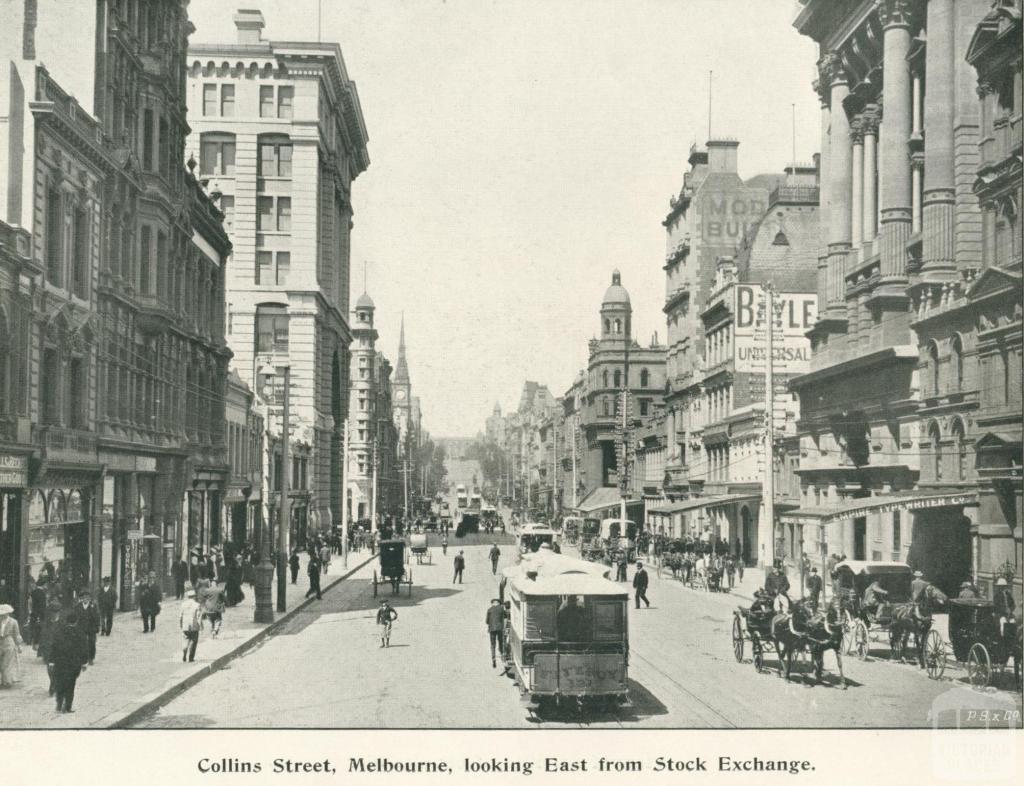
[792, 350]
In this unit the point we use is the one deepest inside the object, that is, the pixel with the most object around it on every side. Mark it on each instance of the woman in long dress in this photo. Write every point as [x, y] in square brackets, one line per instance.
[10, 648]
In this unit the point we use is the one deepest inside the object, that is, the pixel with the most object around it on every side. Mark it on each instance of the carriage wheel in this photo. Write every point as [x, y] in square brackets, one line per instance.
[934, 655]
[737, 638]
[979, 667]
[375, 584]
[860, 639]
[758, 656]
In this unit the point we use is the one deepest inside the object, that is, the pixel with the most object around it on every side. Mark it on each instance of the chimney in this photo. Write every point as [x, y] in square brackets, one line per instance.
[722, 155]
[249, 23]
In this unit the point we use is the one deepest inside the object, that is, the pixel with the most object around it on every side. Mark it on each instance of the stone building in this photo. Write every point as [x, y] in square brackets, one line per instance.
[363, 401]
[278, 132]
[905, 423]
[243, 497]
[389, 492]
[115, 317]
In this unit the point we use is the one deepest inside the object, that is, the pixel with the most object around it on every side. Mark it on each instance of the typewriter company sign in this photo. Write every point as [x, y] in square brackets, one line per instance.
[792, 350]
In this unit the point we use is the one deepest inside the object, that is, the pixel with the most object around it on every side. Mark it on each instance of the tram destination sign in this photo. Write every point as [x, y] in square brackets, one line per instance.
[579, 673]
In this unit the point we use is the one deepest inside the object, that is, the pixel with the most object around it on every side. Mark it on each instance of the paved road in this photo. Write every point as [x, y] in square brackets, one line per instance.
[326, 669]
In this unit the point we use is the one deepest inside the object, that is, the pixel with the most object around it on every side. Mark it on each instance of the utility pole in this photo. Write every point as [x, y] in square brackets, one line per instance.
[623, 483]
[554, 464]
[373, 493]
[575, 483]
[769, 408]
[284, 525]
[344, 494]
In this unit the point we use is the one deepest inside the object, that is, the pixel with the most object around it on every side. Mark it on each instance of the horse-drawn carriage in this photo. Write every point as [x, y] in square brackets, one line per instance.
[897, 614]
[978, 642]
[392, 556]
[419, 545]
[753, 624]
[571, 526]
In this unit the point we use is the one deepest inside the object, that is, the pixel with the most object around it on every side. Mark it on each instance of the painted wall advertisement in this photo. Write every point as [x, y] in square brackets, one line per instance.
[796, 315]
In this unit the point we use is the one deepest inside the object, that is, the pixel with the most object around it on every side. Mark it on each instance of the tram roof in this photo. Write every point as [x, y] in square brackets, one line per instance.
[548, 563]
[569, 584]
[871, 568]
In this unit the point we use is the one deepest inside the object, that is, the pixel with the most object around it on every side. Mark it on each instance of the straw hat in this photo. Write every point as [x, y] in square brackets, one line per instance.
[6, 608]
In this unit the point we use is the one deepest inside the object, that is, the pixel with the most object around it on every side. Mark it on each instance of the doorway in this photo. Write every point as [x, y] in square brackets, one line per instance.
[860, 538]
[747, 529]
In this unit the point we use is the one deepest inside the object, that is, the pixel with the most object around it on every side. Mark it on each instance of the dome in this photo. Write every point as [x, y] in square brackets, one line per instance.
[616, 294]
[364, 301]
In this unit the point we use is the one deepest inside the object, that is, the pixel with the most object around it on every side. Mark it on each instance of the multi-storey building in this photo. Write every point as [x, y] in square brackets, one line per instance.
[388, 484]
[277, 129]
[118, 355]
[243, 498]
[906, 419]
[363, 400]
[495, 428]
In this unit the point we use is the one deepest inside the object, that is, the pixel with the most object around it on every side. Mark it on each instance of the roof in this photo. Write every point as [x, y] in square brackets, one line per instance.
[874, 568]
[702, 502]
[601, 497]
[547, 564]
[569, 584]
[616, 294]
[883, 503]
[365, 301]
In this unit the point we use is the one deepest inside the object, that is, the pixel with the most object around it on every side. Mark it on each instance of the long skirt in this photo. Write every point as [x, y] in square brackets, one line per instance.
[10, 666]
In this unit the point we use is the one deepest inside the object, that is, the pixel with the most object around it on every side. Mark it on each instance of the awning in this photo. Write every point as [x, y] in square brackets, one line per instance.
[885, 503]
[602, 497]
[703, 502]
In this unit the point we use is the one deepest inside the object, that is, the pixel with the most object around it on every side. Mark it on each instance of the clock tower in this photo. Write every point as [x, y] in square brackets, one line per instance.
[401, 393]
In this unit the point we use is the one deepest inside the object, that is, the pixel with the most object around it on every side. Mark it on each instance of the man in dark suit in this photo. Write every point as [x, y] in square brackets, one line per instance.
[149, 604]
[107, 602]
[460, 565]
[495, 619]
[180, 573]
[68, 655]
[640, 582]
[814, 588]
[37, 617]
[313, 571]
[88, 621]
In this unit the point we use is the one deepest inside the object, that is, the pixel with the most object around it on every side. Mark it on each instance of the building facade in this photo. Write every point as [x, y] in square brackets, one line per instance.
[277, 130]
[915, 367]
[119, 362]
[244, 437]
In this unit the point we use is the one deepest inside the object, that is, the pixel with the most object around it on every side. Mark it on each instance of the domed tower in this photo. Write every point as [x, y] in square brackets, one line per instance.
[616, 310]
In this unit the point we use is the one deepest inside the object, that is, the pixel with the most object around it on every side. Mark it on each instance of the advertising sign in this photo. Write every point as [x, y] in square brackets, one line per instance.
[13, 470]
[792, 350]
[579, 673]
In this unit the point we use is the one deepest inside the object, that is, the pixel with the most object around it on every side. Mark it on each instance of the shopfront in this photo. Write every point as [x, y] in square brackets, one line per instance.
[13, 485]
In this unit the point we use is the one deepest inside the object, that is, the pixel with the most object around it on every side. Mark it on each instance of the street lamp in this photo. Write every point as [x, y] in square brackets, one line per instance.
[268, 374]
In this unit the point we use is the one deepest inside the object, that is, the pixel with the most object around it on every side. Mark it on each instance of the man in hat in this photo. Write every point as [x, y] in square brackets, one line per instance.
[107, 602]
[385, 616]
[460, 565]
[640, 582]
[967, 591]
[67, 658]
[1005, 606]
[917, 586]
[494, 554]
[190, 621]
[313, 571]
[180, 573]
[149, 604]
[495, 620]
[89, 621]
[814, 588]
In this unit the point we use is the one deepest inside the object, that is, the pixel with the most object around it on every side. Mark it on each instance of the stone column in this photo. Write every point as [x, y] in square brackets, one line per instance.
[916, 172]
[823, 206]
[857, 179]
[839, 185]
[939, 195]
[869, 128]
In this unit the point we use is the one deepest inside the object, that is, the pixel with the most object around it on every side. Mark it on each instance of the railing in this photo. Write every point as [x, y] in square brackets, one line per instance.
[807, 195]
[64, 440]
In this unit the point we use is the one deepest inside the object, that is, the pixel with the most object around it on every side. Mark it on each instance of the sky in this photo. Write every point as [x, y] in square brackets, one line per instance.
[520, 150]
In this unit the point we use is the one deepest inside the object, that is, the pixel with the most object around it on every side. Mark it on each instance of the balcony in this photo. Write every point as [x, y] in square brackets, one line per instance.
[65, 445]
[794, 195]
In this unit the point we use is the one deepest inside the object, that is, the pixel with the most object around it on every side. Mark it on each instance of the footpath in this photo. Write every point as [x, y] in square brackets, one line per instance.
[136, 672]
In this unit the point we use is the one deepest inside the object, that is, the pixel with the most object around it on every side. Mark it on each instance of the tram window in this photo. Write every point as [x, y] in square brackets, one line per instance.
[540, 620]
[607, 620]
[573, 620]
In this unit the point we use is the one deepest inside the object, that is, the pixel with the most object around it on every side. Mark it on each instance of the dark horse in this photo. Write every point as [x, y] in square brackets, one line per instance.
[790, 634]
[825, 632]
[914, 619]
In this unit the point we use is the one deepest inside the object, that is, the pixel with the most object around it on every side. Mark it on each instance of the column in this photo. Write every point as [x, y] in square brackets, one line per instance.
[869, 127]
[823, 207]
[857, 179]
[916, 173]
[937, 214]
[839, 185]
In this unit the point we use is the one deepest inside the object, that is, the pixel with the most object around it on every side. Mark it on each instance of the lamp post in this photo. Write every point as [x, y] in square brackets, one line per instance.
[263, 612]
[268, 373]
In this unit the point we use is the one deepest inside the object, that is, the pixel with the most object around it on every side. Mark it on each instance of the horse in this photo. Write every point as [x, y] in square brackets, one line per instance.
[825, 632]
[789, 632]
[914, 618]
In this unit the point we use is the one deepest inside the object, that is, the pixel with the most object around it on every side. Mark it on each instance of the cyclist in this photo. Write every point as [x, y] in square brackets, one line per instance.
[385, 616]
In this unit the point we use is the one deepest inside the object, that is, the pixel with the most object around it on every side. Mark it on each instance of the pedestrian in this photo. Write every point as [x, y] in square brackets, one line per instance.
[444, 545]
[149, 604]
[623, 564]
[180, 574]
[233, 594]
[313, 571]
[68, 656]
[212, 599]
[495, 620]
[777, 586]
[89, 620]
[10, 647]
[107, 602]
[460, 565]
[1005, 606]
[293, 565]
[739, 569]
[494, 555]
[640, 582]
[37, 615]
[814, 585]
[730, 572]
[190, 622]
[917, 586]
[386, 615]
[325, 558]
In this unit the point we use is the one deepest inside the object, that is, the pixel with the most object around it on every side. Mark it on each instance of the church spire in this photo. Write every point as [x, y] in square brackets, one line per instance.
[402, 367]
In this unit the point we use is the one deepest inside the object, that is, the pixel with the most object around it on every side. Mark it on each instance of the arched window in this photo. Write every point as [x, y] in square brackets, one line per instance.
[956, 361]
[959, 449]
[607, 326]
[645, 378]
[935, 437]
[618, 326]
[604, 406]
[933, 364]
[618, 378]
[604, 378]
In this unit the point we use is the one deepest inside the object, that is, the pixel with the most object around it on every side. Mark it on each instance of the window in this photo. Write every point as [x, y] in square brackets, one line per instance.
[618, 378]
[960, 450]
[645, 378]
[227, 100]
[80, 264]
[272, 267]
[54, 260]
[49, 384]
[284, 214]
[936, 441]
[604, 377]
[957, 362]
[145, 253]
[897, 534]
[227, 207]
[645, 406]
[285, 95]
[147, 140]
[164, 147]
[618, 325]
[607, 326]
[266, 100]
[265, 214]
[275, 159]
[217, 154]
[266, 209]
[271, 329]
[933, 360]
[209, 100]
[77, 387]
